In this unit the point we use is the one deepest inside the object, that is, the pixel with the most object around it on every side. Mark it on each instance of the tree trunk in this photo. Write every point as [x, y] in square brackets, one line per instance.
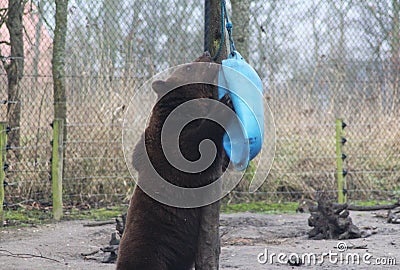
[37, 42]
[209, 249]
[58, 62]
[395, 56]
[212, 29]
[241, 29]
[15, 70]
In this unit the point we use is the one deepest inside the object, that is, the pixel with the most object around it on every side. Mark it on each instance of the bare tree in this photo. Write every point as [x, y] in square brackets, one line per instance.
[14, 67]
[241, 21]
[383, 28]
[273, 35]
[58, 69]
[316, 33]
[340, 10]
[37, 41]
[111, 32]
[338, 47]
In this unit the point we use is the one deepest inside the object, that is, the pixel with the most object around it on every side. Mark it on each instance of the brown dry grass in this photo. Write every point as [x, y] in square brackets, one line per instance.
[95, 170]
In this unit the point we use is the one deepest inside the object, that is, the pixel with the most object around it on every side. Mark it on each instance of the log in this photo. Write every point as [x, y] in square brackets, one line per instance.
[331, 221]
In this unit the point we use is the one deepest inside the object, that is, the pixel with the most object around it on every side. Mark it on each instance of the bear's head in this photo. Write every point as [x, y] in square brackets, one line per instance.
[193, 77]
[195, 82]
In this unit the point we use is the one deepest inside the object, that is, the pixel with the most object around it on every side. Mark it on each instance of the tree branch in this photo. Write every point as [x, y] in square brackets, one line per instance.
[7, 253]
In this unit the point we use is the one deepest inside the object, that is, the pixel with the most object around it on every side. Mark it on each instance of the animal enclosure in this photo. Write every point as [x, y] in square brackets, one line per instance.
[319, 61]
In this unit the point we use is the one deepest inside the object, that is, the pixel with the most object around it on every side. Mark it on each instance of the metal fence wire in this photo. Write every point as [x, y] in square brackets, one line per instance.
[319, 60]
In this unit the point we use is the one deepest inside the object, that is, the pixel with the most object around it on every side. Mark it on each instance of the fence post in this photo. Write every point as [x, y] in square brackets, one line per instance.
[57, 168]
[340, 157]
[3, 146]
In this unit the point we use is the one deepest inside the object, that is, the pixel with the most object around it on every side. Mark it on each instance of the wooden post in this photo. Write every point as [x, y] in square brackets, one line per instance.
[209, 249]
[341, 182]
[57, 168]
[3, 145]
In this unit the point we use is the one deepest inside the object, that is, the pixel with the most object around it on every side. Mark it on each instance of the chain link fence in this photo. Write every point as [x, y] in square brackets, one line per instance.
[319, 60]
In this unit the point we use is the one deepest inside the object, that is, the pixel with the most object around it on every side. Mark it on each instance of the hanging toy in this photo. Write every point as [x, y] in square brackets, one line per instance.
[237, 78]
[241, 82]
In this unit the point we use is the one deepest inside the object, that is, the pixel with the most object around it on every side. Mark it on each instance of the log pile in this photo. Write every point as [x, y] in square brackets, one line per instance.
[331, 221]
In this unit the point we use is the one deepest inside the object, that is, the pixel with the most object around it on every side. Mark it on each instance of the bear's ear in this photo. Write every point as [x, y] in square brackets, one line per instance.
[162, 87]
[159, 87]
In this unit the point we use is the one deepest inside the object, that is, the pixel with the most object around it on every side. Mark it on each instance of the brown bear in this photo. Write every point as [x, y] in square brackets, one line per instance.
[158, 236]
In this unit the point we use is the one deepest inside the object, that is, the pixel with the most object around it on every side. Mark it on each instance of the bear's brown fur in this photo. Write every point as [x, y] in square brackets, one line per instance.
[158, 236]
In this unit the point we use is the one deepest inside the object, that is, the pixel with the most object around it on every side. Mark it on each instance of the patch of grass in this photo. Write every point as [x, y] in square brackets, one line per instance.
[98, 214]
[261, 207]
[27, 217]
[287, 207]
[371, 202]
[23, 216]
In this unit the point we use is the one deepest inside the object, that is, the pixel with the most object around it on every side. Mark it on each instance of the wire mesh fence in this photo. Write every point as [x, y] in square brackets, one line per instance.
[319, 60]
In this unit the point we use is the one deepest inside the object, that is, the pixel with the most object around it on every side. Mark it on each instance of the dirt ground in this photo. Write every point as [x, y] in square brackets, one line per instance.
[246, 238]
